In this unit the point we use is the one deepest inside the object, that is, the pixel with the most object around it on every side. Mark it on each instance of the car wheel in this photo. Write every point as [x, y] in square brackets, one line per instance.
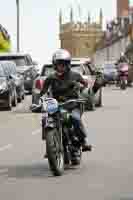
[99, 103]
[14, 103]
[90, 104]
[23, 96]
[9, 106]
[23, 93]
[19, 99]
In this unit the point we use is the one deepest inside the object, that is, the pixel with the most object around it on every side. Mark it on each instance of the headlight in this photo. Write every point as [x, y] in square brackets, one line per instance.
[3, 86]
[28, 74]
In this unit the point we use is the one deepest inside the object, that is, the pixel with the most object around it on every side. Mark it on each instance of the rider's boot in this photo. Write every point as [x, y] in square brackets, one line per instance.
[85, 145]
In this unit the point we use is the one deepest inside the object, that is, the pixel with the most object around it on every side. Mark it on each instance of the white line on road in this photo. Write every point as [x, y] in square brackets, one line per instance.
[36, 132]
[3, 171]
[6, 147]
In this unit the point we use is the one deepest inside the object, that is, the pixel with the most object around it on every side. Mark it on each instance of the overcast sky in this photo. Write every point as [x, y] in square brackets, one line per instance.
[39, 21]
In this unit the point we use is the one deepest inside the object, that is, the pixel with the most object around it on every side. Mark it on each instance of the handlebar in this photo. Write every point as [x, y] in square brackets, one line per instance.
[72, 101]
[34, 107]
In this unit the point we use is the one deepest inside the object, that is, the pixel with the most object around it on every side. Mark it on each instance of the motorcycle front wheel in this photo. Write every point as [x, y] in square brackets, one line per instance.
[55, 152]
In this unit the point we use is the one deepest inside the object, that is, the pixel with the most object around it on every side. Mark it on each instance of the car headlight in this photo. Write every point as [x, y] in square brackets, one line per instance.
[28, 74]
[3, 86]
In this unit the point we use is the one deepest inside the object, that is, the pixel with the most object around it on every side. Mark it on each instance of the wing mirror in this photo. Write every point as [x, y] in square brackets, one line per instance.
[11, 76]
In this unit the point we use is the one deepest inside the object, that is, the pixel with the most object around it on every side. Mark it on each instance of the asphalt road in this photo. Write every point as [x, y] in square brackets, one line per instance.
[105, 174]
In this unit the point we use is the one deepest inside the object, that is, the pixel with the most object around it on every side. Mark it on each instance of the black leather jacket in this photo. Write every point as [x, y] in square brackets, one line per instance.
[62, 86]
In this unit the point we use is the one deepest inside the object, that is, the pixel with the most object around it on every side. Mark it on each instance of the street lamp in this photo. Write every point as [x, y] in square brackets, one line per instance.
[18, 26]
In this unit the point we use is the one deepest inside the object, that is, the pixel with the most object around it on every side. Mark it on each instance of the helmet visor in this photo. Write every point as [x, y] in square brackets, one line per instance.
[61, 62]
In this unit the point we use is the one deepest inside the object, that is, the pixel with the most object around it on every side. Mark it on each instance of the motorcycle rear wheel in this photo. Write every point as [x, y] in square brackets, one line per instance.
[77, 159]
[123, 85]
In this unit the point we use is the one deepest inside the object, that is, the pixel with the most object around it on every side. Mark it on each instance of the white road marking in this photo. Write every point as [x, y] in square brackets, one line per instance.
[3, 171]
[36, 132]
[6, 147]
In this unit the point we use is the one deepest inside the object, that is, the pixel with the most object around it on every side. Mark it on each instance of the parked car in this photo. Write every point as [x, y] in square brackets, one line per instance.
[78, 66]
[17, 78]
[25, 66]
[39, 81]
[8, 94]
[110, 72]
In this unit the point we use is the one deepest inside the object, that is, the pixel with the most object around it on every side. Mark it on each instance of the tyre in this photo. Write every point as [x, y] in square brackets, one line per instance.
[23, 96]
[123, 85]
[23, 93]
[14, 103]
[54, 152]
[9, 107]
[90, 104]
[76, 160]
[99, 103]
[19, 99]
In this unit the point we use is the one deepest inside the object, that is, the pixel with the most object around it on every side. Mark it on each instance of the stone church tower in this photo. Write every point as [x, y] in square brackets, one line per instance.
[80, 38]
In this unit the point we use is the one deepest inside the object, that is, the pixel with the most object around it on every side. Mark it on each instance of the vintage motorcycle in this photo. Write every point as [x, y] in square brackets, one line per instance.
[62, 144]
[123, 75]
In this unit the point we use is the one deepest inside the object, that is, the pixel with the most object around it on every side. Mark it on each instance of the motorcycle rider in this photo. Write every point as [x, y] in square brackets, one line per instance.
[123, 59]
[99, 81]
[60, 84]
[90, 66]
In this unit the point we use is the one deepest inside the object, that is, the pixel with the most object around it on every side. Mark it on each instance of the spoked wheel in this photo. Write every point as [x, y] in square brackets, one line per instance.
[55, 152]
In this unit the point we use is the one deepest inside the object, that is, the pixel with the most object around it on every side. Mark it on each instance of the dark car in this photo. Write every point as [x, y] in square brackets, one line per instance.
[8, 95]
[25, 67]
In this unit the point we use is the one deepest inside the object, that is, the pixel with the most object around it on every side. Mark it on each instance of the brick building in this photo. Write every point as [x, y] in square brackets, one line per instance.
[122, 8]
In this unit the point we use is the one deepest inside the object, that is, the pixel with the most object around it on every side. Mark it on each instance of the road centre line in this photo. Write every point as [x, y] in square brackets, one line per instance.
[3, 171]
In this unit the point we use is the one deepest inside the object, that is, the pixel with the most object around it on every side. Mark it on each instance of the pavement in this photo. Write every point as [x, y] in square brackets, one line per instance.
[104, 174]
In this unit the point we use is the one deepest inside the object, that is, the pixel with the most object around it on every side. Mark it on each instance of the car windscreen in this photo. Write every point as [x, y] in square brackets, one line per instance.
[48, 69]
[19, 60]
[1, 72]
[76, 68]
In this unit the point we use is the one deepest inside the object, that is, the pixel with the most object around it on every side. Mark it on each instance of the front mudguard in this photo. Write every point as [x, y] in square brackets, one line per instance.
[47, 123]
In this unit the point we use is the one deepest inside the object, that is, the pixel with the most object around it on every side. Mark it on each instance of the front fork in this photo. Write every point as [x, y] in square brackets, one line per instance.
[50, 122]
